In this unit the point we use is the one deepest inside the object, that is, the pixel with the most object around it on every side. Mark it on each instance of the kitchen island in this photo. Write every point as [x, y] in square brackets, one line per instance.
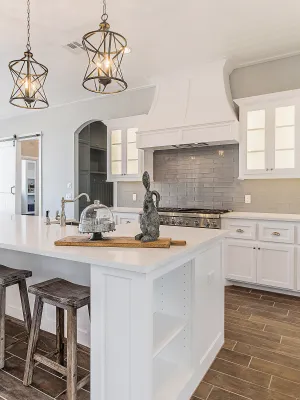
[157, 315]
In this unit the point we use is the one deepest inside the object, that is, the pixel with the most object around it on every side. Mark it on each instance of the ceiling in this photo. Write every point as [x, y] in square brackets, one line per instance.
[164, 38]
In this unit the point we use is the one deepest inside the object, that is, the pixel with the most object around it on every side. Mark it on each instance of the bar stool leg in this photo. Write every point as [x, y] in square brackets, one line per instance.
[60, 335]
[25, 304]
[33, 338]
[2, 325]
[72, 354]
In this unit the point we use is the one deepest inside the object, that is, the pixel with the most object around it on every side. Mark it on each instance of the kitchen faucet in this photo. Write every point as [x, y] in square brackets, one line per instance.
[64, 201]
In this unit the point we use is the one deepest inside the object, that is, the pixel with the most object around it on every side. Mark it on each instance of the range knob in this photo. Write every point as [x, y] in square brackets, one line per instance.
[207, 224]
[197, 223]
[173, 221]
[180, 222]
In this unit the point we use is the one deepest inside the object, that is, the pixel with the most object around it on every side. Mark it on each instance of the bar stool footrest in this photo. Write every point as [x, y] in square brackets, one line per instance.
[83, 382]
[51, 364]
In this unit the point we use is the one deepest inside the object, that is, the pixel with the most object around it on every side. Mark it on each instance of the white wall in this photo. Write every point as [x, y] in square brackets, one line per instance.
[59, 124]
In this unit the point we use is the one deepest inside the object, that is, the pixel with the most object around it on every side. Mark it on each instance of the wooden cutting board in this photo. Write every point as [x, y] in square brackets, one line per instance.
[128, 242]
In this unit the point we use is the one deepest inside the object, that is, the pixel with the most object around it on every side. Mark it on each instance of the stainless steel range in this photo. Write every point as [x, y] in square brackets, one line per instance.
[191, 217]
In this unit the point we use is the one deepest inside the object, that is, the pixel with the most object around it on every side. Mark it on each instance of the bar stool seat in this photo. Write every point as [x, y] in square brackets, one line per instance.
[64, 295]
[9, 277]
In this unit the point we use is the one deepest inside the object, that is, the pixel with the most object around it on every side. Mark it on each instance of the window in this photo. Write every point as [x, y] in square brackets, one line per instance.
[285, 137]
[256, 123]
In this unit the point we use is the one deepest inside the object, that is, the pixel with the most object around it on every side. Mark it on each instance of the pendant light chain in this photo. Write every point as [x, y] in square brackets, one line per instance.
[104, 15]
[28, 26]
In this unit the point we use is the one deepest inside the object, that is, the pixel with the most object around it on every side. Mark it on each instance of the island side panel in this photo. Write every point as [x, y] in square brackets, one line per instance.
[121, 335]
[208, 312]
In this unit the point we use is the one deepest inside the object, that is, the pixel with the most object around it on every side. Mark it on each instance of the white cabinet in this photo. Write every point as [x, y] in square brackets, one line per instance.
[240, 260]
[126, 218]
[275, 265]
[269, 136]
[125, 161]
[266, 258]
[277, 232]
[298, 267]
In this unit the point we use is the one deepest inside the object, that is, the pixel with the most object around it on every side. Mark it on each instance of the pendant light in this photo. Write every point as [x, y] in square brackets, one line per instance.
[29, 77]
[105, 50]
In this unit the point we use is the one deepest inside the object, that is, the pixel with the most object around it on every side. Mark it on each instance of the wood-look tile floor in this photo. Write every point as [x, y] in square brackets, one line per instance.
[47, 384]
[260, 359]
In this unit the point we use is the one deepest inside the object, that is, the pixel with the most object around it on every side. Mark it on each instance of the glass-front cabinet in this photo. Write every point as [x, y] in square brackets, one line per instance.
[270, 136]
[125, 161]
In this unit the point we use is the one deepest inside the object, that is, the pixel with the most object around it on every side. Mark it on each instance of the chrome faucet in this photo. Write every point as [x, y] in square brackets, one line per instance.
[64, 201]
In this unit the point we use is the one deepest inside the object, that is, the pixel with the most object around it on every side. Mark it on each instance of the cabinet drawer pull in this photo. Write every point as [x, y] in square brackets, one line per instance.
[240, 230]
[276, 234]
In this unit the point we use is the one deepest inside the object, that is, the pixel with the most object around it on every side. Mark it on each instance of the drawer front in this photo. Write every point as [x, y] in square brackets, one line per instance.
[276, 232]
[241, 229]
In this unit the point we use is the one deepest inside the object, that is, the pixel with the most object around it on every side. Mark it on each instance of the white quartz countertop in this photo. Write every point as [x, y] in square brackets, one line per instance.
[264, 216]
[129, 210]
[31, 235]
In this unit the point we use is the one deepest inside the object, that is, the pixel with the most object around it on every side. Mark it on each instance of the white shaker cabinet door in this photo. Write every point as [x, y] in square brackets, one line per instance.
[240, 260]
[275, 265]
[298, 268]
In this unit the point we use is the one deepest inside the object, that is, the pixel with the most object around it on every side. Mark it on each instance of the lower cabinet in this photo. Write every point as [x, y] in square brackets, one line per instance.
[125, 218]
[240, 260]
[276, 265]
[264, 263]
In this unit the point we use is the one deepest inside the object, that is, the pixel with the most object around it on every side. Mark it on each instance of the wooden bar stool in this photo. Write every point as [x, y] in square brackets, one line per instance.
[63, 295]
[9, 277]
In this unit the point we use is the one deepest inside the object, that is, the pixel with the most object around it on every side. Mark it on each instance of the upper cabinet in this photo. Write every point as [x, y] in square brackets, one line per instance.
[270, 136]
[125, 161]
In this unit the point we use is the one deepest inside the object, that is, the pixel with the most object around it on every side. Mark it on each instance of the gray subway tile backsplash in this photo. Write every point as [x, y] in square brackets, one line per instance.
[208, 178]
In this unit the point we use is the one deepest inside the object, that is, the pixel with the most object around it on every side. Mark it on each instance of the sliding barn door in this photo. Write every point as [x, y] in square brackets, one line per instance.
[7, 176]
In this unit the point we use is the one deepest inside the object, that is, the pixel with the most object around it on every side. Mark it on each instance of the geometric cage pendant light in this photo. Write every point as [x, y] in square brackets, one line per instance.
[29, 77]
[105, 50]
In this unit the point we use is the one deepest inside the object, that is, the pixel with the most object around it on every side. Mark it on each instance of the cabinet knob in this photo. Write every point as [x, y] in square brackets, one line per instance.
[240, 230]
[275, 233]
[267, 169]
[258, 248]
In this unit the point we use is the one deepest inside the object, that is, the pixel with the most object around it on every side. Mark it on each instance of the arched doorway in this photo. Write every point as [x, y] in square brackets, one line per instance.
[91, 165]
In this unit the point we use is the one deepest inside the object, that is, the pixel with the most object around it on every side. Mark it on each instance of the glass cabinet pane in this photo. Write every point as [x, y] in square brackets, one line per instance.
[116, 152]
[131, 135]
[116, 167]
[256, 139]
[285, 116]
[285, 137]
[132, 152]
[256, 119]
[116, 136]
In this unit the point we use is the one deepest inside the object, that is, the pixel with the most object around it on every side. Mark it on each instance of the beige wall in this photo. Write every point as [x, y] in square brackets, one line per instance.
[268, 77]
[30, 148]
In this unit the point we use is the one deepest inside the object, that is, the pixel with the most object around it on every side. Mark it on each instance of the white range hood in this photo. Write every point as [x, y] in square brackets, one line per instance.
[192, 111]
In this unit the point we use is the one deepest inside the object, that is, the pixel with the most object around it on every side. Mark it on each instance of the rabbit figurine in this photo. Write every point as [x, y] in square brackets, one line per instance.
[150, 219]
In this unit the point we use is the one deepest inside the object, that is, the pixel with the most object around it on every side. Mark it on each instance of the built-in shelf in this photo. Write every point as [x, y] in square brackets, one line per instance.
[169, 378]
[166, 328]
[97, 148]
[99, 172]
